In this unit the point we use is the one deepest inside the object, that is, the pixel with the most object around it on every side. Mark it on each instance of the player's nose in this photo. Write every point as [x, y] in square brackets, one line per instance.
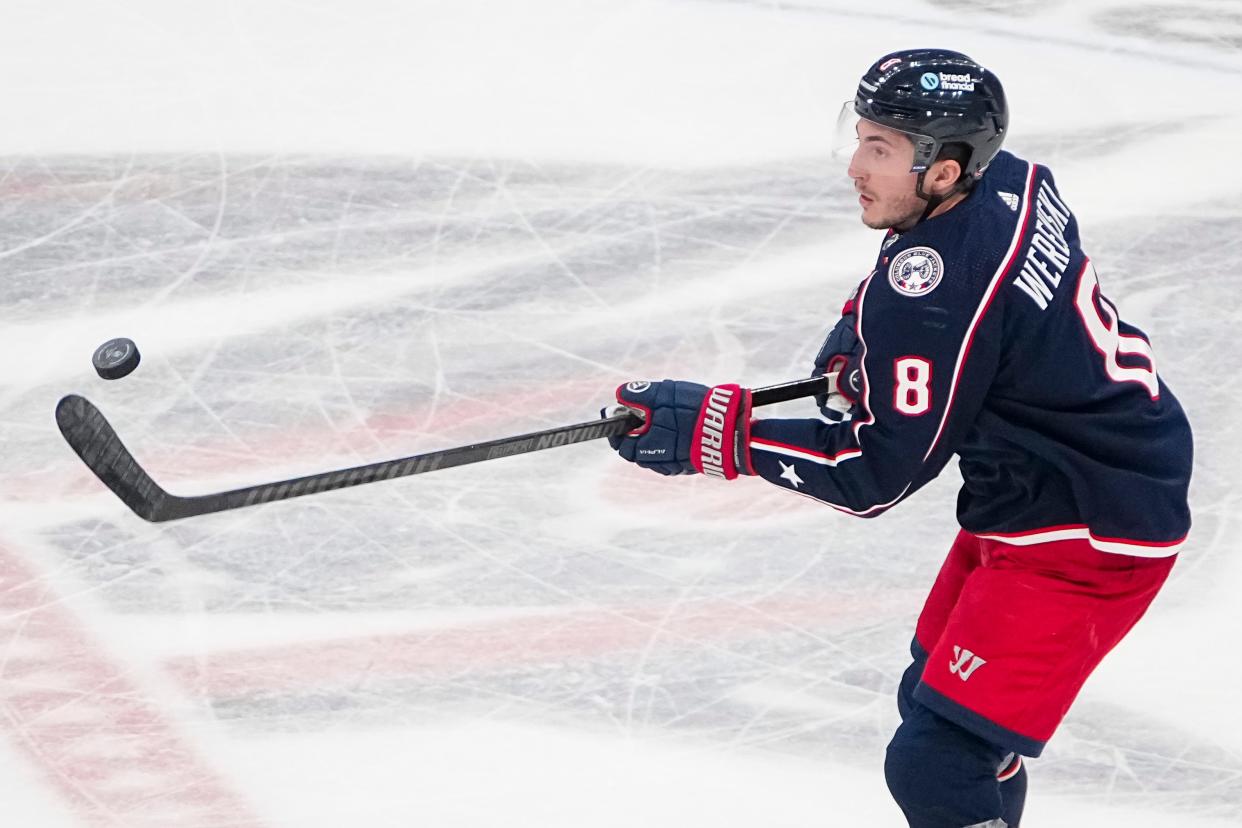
[855, 170]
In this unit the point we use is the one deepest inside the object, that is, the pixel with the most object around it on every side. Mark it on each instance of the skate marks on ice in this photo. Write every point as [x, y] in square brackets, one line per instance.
[1149, 32]
[732, 617]
[112, 752]
[1214, 25]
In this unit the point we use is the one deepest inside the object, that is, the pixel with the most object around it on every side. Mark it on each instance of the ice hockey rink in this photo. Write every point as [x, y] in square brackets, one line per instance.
[343, 232]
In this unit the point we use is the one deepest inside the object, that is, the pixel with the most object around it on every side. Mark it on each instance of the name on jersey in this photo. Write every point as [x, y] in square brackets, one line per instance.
[1048, 255]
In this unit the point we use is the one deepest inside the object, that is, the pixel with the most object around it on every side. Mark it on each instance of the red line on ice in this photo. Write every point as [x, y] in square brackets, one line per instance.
[101, 744]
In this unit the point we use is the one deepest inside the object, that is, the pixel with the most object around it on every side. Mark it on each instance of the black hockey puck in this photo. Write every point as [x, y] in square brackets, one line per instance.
[116, 358]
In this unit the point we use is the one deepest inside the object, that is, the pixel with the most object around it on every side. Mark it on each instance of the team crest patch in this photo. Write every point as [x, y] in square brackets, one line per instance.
[916, 272]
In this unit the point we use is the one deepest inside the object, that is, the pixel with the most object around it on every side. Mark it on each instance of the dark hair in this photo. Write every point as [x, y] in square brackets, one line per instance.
[959, 152]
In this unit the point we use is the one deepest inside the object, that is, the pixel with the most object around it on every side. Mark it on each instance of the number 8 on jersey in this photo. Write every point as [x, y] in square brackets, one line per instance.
[912, 395]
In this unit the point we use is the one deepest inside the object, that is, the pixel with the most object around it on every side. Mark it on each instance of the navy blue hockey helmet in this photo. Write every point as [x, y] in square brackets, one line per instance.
[938, 97]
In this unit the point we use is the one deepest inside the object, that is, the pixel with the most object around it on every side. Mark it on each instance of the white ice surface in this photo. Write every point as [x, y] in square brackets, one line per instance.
[346, 232]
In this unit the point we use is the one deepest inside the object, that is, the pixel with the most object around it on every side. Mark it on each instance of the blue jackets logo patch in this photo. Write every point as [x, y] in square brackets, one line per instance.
[916, 272]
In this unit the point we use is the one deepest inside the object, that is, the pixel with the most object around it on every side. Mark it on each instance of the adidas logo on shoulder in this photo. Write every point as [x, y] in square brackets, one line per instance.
[1010, 199]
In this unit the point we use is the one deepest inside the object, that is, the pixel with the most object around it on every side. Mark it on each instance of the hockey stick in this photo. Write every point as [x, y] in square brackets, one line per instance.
[96, 442]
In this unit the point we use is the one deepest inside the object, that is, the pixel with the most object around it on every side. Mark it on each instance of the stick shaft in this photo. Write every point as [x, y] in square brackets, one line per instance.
[92, 437]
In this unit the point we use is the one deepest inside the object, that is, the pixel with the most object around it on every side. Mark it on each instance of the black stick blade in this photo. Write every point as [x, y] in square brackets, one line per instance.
[90, 435]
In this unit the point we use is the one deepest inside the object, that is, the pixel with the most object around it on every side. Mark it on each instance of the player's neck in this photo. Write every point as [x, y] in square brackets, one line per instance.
[948, 204]
[943, 207]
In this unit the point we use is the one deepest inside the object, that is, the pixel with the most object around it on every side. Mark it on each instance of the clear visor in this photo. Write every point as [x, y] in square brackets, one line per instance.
[845, 136]
[845, 140]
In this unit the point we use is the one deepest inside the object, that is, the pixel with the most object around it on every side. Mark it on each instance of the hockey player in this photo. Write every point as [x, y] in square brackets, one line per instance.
[981, 331]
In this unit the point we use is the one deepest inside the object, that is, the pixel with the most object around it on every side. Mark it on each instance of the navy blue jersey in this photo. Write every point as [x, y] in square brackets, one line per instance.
[983, 333]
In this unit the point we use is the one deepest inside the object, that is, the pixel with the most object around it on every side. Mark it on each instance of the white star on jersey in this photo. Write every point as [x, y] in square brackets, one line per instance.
[788, 472]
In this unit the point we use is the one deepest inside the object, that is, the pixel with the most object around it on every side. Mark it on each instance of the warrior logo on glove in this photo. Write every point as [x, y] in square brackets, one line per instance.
[713, 425]
[687, 428]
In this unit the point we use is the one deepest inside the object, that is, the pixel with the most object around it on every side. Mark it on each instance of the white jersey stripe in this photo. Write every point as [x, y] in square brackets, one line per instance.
[801, 454]
[865, 399]
[1116, 546]
[984, 303]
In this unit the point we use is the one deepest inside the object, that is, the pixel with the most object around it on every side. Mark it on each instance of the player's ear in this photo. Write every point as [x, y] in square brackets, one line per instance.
[944, 175]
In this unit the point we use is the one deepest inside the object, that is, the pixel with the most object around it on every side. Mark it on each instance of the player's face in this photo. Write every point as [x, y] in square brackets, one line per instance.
[880, 168]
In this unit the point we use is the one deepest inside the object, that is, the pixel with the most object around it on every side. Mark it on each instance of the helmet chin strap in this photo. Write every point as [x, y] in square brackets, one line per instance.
[962, 185]
[933, 201]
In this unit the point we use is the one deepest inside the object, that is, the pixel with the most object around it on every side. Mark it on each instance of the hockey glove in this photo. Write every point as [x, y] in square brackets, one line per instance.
[687, 428]
[841, 353]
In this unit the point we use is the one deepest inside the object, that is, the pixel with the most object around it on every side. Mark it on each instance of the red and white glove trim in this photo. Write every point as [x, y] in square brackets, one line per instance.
[720, 446]
[638, 408]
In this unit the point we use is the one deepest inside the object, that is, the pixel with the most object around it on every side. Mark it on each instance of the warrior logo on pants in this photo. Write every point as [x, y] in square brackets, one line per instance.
[965, 663]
